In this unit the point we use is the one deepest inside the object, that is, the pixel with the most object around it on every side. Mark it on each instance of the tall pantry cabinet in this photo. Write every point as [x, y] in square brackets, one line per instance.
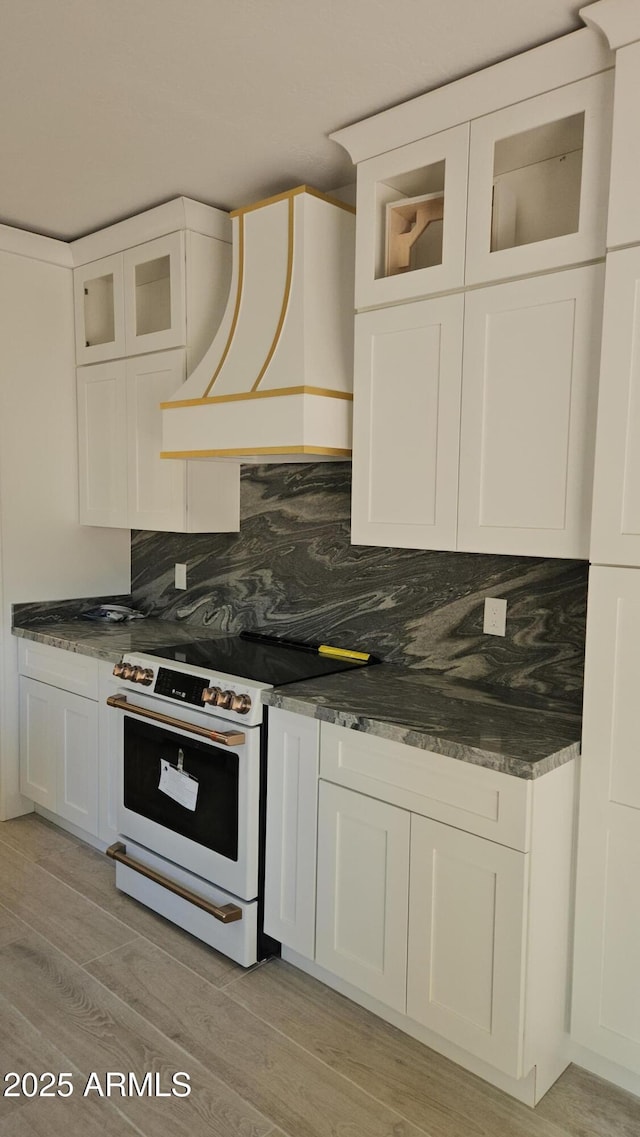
[606, 1001]
[498, 233]
[45, 553]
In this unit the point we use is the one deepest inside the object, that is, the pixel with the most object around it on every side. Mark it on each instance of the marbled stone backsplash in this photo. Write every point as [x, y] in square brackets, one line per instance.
[292, 572]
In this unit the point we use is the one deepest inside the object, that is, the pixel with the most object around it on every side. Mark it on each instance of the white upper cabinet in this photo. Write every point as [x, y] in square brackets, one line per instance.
[615, 536]
[407, 424]
[154, 295]
[529, 400]
[99, 310]
[148, 295]
[521, 190]
[487, 452]
[624, 201]
[123, 480]
[539, 181]
[410, 220]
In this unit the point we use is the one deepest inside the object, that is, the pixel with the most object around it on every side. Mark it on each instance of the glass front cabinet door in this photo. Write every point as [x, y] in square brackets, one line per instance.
[410, 220]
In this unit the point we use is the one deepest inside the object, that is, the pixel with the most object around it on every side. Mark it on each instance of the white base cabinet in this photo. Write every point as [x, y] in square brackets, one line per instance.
[292, 830]
[467, 937]
[123, 480]
[363, 892]
[59, 752]
[444, 895]
[67, 744]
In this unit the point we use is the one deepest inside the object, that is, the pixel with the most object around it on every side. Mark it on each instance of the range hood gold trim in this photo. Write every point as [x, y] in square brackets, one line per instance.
[329, 450]
[236, 312]
[274, 393]
[291, 194]
[285, 297]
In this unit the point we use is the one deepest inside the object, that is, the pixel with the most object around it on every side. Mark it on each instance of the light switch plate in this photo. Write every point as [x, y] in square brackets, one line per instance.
[495, 616]
[181, 576]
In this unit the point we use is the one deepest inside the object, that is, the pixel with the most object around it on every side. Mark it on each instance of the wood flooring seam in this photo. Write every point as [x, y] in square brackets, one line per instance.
[391, 1109]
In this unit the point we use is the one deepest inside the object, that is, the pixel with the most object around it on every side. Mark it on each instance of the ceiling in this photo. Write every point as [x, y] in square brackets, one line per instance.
[112, 106]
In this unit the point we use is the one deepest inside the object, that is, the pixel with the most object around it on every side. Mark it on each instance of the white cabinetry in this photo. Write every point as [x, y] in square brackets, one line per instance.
[532, 197]
[467, 939]
[292, 791]
[406, 427]
[516, 415]
[529, 397]
[363, 892]
[545, 163]
[123, 480]
[615, 537]
[164, 293]
[145, 315]
[443, 894]
[59, 736]
[511, 186]
[606, 1006]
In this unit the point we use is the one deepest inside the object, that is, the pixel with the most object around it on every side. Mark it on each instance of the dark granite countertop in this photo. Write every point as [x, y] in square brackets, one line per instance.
[101, 640]
[508, 731]
[502, 730]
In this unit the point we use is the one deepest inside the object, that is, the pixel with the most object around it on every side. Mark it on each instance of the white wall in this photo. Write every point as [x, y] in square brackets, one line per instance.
[44, 553]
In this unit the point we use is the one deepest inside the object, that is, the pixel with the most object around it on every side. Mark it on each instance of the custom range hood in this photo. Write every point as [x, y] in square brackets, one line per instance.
[276, 383]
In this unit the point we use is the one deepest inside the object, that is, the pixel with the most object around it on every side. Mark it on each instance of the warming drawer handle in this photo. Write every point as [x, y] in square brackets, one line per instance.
[226, 913]
[223, 737]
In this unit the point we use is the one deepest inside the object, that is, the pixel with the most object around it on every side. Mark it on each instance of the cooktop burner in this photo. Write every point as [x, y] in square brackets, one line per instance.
[276, 664]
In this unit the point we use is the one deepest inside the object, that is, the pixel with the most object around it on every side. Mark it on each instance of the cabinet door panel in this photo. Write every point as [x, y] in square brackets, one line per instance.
[77, 796]
[529, 398]
[363, 884]
[102, 444]
[615, 534]
[98, 289]
[606, 1006]
[39, 745]
[467, 928]
[157, 494]
[154, 295]
[540, 155]
[406, 425]
[431, 166]
[624, 202]
[292, 809]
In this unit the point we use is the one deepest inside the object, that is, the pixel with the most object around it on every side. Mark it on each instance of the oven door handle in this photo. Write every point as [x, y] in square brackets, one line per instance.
[226, 913]
[223, 737]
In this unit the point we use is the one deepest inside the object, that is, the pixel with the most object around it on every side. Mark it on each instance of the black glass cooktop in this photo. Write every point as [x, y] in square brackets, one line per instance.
[271, 663]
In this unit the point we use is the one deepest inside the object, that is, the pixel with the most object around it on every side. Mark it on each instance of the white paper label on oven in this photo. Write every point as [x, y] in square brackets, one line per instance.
[178, 785]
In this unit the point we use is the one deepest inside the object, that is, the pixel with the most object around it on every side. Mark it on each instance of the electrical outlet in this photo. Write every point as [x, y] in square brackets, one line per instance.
[495, 616]
[181, 576]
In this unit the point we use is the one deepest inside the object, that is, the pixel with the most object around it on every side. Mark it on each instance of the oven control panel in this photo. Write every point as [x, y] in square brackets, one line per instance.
[224, 696]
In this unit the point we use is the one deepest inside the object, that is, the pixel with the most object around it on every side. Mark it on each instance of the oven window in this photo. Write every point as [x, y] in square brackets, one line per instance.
[214, 821]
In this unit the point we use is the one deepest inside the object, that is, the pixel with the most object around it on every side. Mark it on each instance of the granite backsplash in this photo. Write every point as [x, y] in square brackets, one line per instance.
[291, 571]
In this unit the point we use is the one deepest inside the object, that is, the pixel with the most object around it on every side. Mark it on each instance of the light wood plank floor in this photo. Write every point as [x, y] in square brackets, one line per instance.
[90, 981]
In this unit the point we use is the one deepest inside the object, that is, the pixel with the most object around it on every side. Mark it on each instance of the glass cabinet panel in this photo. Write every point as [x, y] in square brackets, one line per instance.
[410, 220]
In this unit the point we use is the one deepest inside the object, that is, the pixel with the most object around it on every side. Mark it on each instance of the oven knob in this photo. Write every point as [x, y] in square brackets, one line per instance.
[224, 699]
[210, 695]
[118, 670]
[143, 675]
[128, 671]
[241, 704]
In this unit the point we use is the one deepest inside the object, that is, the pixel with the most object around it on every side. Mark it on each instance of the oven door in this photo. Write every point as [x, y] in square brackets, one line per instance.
[189, 799]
